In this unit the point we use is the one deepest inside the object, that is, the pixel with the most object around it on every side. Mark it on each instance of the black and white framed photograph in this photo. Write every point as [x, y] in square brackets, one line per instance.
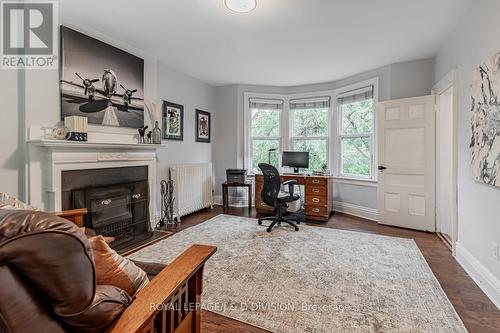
[100, 82]
[173, 121]
[203, 126]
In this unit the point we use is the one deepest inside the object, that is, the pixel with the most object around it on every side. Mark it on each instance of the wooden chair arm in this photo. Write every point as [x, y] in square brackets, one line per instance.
[75, 215]
[140, 314]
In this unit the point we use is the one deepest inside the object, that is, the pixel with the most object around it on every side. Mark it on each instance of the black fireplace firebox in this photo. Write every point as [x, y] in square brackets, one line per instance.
[117, 201]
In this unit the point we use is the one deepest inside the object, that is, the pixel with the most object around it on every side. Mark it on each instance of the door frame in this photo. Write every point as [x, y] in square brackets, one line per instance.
[450, 80]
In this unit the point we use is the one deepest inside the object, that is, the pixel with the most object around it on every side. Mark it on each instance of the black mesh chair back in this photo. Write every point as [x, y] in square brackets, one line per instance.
[272, 184]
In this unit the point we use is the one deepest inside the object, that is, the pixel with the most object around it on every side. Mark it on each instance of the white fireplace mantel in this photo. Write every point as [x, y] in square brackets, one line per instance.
[49, 158]
[61, 144]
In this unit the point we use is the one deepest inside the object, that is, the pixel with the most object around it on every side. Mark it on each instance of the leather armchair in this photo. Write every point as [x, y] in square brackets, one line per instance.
[47, 279]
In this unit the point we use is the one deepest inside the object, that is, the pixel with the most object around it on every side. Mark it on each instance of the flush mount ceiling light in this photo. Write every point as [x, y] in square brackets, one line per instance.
[241, 6]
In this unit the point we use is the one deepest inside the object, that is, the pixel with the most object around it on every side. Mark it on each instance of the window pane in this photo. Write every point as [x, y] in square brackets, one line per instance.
[260, 153]
[310, 122]
[265, 122]
[357, 117]
[316, 149]
[356, 156]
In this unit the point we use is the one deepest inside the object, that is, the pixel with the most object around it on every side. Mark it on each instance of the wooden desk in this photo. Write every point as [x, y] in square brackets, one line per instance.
[225, 197]
[318, 195]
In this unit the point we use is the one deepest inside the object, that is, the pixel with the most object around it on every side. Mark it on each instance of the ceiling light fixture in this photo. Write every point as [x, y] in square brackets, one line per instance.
[241, 6]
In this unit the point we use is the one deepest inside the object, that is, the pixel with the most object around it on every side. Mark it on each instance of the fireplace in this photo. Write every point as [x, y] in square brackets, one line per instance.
[117, 200]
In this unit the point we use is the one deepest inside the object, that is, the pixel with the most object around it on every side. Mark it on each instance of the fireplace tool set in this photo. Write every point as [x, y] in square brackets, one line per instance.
[167, 204]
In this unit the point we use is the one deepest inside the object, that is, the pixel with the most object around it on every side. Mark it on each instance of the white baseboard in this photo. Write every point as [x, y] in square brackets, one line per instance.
[355, 210]
[488, 283]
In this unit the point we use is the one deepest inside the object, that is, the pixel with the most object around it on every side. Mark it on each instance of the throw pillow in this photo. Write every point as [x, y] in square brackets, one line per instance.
[10, 202]
[113, 269]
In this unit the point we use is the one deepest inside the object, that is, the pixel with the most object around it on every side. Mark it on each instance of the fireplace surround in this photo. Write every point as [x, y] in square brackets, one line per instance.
[50, 160]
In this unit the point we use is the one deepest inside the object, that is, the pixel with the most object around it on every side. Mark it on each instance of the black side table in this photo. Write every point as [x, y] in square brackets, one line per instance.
[225, 199]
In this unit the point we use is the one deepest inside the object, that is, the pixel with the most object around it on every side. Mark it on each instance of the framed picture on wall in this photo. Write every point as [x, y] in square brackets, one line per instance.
[100, 82]
[173, 121]
[203, 126]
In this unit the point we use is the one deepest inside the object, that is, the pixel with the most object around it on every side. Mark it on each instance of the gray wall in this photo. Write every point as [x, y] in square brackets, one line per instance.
[225, 153]
[400, 80]
[411, 79]
[176, 87]
[474, 41]
[11, 155]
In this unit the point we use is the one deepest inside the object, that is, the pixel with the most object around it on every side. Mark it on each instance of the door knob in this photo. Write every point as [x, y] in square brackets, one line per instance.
[381, 167]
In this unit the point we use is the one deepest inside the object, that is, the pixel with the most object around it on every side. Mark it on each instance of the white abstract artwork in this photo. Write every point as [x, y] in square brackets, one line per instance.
[485, 107]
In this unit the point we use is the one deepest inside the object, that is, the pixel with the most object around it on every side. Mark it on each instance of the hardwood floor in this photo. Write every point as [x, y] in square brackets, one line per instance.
[478, 313]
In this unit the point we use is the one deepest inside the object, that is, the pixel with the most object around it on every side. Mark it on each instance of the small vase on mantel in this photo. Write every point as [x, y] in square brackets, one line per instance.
[156, 134]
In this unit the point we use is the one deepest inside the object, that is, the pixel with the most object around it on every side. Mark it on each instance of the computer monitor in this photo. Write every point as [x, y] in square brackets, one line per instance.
[295, 160]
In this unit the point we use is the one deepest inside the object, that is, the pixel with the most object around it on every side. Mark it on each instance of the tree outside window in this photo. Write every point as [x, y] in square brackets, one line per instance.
[265, 134]
[356, 135]
[310, 132]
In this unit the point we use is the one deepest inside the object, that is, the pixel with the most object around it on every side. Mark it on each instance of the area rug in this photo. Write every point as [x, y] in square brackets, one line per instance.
[315, 280]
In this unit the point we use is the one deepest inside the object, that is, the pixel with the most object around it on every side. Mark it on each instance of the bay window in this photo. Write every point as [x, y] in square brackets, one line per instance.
[338, 130]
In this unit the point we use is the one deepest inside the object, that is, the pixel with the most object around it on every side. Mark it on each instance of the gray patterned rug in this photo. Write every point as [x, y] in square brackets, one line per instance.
[315, 280]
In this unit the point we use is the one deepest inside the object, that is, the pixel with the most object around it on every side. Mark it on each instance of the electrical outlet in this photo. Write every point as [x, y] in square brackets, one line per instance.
[496, 251]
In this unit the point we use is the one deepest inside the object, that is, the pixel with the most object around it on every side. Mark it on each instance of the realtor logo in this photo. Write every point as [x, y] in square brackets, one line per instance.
[29, 34]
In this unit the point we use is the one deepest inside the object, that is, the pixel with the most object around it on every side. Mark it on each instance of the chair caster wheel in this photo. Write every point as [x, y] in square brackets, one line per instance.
[269, 229]
[297, 229]
[259, 222]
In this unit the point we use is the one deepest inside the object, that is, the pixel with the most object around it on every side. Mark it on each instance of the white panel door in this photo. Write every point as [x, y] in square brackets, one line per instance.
[406, 153]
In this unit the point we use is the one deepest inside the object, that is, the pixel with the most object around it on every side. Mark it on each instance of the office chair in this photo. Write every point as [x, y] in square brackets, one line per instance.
[272, 196]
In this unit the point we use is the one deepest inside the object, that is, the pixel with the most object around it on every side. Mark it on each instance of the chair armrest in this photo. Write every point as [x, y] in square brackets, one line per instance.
[74, 215]
[291, 183]
[140, 313]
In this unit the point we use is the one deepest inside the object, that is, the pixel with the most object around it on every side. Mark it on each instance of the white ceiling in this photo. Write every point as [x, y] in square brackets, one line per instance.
[281, 43]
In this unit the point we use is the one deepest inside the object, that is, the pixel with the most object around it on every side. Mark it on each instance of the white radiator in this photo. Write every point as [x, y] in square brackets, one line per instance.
[192, 187]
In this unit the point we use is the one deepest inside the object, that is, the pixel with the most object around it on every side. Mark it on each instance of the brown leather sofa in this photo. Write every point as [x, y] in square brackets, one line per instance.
[47, 281]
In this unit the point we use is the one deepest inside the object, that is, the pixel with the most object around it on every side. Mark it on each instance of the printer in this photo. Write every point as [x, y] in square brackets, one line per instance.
[236, 176]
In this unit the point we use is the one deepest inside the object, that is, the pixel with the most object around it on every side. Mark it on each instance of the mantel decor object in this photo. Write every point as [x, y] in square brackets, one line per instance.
[142, 133]
[55, 133]
[76, 128]
[156, 134]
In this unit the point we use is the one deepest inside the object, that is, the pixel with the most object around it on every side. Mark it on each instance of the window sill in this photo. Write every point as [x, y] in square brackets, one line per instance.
[356, 181]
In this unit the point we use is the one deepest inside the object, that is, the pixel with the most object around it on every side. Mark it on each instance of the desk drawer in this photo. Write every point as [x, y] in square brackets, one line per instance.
[315, 200]
[320, 191]
[317, 181]
[317, 211]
